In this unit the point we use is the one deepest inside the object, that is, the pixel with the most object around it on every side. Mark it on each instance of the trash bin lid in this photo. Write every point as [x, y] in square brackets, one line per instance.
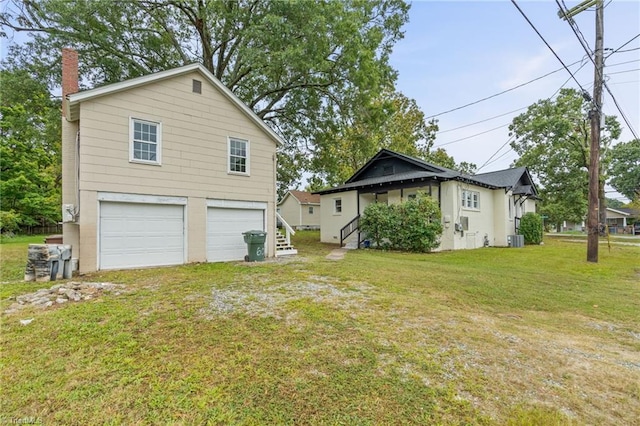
[254, 232]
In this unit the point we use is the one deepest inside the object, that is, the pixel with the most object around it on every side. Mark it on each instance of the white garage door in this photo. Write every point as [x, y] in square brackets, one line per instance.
[137, 235]
[224, 232]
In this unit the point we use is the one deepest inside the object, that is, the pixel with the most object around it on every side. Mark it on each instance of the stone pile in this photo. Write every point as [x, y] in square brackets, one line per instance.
[63, 293]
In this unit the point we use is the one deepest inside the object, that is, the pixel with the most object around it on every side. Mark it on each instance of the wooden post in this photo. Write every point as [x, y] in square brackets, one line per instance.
[594, 159]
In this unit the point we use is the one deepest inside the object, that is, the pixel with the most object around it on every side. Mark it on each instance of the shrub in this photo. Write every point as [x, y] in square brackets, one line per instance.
[9, 221]
[531, 228]
[376, 221]
[413, 225]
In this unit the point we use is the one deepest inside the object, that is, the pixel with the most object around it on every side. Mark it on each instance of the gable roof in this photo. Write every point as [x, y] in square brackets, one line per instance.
[74, 100]
[625, 211]
[518, 179]
[386, 153]
[305, 197]
[302, 197]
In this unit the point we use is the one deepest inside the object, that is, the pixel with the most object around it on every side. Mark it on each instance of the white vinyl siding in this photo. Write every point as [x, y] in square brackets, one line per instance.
[140, 235]
[238, 156]
[145, 141]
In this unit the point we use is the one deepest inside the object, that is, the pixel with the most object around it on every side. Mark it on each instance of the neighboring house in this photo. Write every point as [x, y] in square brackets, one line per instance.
[621, 219]
[165, 169]
[478, 210]
[300, 209]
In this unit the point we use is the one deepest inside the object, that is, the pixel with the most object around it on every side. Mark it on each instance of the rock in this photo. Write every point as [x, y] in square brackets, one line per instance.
[73, 295]
[62, 290]
[61, 300]
[26, 321]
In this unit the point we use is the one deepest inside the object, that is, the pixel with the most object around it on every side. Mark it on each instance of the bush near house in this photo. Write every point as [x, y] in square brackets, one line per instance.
[531, 228]
[413, 225]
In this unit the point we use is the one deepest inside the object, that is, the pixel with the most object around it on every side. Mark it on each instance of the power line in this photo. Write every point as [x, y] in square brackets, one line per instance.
[623, 63]
[469, 137]
[482, 121]
[624, 116]
[504, 154]
[519, 109]
[625, 82]
[500, 93]
[626, 50]
[585, 46]
[618, 49]
[486, 163]
[622, 72]
[496, 153]
[584, 92]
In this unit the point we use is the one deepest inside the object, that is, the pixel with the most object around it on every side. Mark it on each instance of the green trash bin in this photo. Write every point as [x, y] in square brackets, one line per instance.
[255, 245]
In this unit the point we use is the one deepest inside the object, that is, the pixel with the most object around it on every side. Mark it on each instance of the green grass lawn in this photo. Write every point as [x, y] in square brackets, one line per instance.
[529, 336]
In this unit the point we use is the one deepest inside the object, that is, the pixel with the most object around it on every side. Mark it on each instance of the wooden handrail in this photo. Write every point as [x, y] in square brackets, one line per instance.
[289, 230]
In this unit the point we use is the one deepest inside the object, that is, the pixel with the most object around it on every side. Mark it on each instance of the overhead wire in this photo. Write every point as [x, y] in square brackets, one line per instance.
[622, 72]
[585, 46]
[500, 93]
[481, 121]
[623, 45]
[584, 92]
[511, 138]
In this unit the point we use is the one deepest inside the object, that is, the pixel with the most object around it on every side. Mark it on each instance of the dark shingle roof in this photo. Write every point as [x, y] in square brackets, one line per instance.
[509, 178]
[502, 178]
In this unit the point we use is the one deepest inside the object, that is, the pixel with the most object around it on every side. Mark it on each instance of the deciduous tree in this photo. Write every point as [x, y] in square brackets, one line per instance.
[552, 139]
[624, 168]
[29, 152]
[298, 64]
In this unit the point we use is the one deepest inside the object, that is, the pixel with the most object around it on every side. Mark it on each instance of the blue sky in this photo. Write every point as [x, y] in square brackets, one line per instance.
[456, 52]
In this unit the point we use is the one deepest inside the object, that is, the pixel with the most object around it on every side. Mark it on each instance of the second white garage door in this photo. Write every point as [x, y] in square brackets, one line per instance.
[224, 232]
[138, 235]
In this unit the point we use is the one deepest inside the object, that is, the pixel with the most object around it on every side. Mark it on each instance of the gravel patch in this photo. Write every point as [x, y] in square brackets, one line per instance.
[271, 301]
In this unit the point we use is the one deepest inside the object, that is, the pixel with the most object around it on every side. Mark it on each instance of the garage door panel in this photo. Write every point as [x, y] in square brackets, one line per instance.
[139, 235]
[224, 232]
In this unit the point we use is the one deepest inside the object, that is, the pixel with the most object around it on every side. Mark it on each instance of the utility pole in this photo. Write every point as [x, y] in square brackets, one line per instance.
[593, 228]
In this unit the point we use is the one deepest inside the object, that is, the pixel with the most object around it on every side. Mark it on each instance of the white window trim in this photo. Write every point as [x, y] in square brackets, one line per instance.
[335, 211]
[248, 162]
[464, 198]
[158, 125]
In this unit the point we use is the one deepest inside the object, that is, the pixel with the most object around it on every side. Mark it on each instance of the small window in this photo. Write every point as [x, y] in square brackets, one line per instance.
[197, 86]
[337, 205]
[471, 199]
[310, 209]
[238, 156]
[510, 202]
[387, 170]
[145, 141]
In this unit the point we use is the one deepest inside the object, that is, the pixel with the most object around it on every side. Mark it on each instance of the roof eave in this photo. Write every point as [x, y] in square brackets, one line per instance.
[74, 100]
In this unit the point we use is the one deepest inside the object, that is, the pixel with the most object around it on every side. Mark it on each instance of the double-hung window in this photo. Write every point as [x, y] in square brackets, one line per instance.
[145, 141]
[238, 156]
[471, 199]
[337, 205]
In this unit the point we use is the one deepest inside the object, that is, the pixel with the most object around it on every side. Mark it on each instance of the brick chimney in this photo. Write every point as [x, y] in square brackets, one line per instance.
[69, 73]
